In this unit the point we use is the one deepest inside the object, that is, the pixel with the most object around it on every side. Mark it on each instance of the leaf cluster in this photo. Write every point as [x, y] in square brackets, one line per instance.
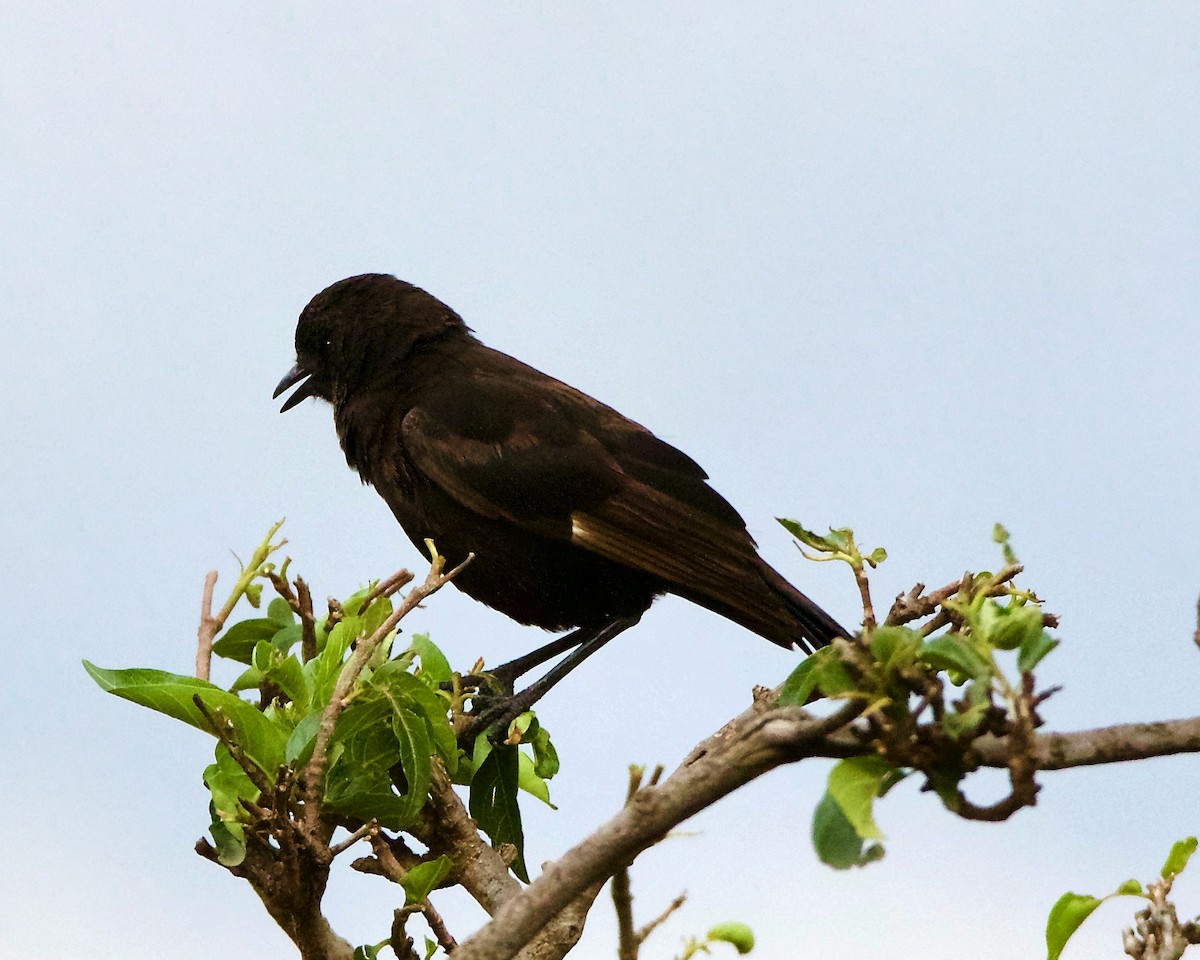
[942, 670]
[330, 724]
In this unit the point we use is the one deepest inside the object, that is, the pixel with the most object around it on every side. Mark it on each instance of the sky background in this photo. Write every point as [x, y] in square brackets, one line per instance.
[911, 268]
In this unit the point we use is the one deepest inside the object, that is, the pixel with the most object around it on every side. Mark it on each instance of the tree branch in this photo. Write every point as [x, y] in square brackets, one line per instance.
[744, 749]
[759, 740]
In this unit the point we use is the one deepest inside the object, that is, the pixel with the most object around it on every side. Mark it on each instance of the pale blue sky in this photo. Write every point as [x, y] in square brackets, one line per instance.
[910, 268]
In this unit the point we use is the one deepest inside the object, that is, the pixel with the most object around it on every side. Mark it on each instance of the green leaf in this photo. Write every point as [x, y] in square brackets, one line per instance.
[403, 689]
[435, 668]
[955, 653]
[423, 879]
[415, 759]
[248, 679]
[966, 719]
[237, 642]
[300, 742]
[530, 782]
[287, 637]
[842, 539]
[834, 838]
[430, 948]
[229, 840]
[254, 594]
[1065, 917]
[1007, 627]
[378, 611]
[806, 537]
[283, 671]
[228, 784]
[1000, 536]
[738, 934]
[493, 803]
[830, 673]
[171, 694]
[876, 556]
[1034, 647]
[545, 757]
[280, 611]
[895, 647]
[801, 682]
[854, 784]
[322, 671]
[1130, 888]
[352, 605]
[384, 748]
[1177, 859]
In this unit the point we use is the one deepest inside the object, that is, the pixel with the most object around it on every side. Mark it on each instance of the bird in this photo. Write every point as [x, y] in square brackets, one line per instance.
[578, 518]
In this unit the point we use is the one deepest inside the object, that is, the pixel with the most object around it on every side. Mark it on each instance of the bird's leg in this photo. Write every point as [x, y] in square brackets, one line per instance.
[507, 674]
[586, 640]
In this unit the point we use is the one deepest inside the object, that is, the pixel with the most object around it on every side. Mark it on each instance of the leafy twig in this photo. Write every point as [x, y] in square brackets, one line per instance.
[314, 772]
[210, 623]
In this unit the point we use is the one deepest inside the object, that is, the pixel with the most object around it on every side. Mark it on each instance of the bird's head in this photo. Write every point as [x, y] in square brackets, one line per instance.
[356, 334]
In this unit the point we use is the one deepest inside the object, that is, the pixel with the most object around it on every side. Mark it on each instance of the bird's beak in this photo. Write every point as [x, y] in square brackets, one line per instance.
[303, 392]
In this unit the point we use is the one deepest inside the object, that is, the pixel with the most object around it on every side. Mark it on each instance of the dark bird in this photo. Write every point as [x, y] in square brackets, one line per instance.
[577, 516]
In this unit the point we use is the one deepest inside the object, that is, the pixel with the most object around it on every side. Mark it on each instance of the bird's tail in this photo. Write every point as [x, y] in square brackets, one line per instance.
[774, 609]
[801, 620]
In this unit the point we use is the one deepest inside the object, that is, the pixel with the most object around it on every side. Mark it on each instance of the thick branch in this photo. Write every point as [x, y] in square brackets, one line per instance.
[557, 938]
[1119, 743]
[757, 741]
[447, 828]
[742, 750]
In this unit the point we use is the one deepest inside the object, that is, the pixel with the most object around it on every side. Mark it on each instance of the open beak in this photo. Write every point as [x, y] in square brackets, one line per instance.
[306, 389]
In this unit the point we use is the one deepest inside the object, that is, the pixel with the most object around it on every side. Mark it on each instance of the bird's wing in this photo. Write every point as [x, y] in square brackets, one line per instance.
[530, 450]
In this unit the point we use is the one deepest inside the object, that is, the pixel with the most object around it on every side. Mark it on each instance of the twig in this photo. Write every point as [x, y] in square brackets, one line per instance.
[446, 828]
[654, 924]
[438, 927]
[210, 623]
[391, 867]
[864, 592]
[1158, 934]
[629, 940]
[365, 830]
[208, 628]
[913, 606]
[622, 898]
[387, 586]
[308, 621]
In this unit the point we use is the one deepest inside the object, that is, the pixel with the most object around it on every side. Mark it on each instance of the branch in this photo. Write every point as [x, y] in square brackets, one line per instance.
[558, 937]
[1119, 743]
[744, 749]
[759, 740]
[446, 828]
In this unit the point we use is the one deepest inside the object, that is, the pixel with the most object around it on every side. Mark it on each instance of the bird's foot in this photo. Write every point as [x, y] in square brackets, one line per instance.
[500, 682]
[495, 714]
